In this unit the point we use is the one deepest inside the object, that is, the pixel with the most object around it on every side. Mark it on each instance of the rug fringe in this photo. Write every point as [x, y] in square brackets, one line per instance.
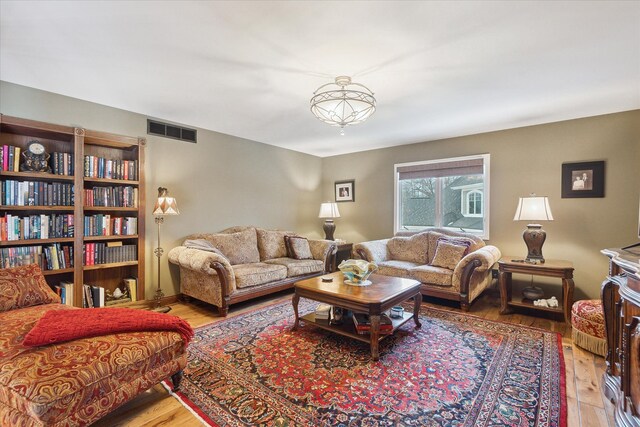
[589, 342]
[188, 407]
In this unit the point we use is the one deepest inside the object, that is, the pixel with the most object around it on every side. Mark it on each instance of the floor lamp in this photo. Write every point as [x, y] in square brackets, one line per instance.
[164, 206]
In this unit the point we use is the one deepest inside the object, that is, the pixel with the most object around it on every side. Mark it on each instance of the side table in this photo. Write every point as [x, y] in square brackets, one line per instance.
[343, 253]
[551, 268]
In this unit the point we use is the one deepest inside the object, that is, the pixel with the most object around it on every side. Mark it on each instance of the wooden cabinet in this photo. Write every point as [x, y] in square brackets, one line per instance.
[621, 303]
[43, 212]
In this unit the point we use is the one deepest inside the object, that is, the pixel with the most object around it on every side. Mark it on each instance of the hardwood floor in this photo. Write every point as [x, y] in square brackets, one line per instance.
[586, 405]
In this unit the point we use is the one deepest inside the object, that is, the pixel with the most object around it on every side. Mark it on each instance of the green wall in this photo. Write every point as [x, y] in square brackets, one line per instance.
[219, 182]
[523, 161]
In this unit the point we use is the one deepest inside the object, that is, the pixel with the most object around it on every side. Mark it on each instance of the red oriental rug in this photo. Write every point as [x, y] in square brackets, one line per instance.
[457, 370]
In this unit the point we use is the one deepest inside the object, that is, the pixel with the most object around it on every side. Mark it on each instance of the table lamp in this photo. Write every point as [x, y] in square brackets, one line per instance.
[329, 210]
[534, 208]
[164, 206]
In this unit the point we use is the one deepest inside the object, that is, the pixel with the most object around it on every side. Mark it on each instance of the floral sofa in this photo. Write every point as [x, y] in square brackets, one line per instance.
[450, 265]
[246, 262]
[77, 382]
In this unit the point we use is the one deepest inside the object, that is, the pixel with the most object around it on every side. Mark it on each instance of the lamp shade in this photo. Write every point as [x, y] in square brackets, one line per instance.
[165, 205]
[533, 208]
[329, 210]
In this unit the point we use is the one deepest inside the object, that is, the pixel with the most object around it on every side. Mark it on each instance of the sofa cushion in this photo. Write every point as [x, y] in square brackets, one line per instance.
[298, 247]
[257, 273]
[448, 254]
[432, 275]
[412, 249]
[271, 243]
[24, 287]
[239, 248]
[298, 267]
[395, 268]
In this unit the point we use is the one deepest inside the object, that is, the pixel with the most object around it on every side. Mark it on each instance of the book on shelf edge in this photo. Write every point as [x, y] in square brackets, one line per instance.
[363, 326]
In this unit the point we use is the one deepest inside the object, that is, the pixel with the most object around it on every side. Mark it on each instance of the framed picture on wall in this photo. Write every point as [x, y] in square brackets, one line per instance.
[345, 191]
[584, 179]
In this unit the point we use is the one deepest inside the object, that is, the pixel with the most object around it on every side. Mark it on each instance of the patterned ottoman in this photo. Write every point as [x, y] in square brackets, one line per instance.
[587, 319]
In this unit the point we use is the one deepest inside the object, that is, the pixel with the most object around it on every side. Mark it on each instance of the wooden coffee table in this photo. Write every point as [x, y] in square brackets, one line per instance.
[375, 299]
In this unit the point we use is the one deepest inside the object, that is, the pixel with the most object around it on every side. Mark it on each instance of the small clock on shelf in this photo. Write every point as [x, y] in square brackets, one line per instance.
[36, 158]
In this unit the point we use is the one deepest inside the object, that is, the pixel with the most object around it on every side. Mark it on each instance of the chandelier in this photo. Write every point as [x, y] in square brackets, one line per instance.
[338, 105]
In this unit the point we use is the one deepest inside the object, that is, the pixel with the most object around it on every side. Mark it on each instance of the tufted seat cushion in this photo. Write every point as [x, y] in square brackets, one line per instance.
[396, 268]
[257, 273]
[587, 319]
[432, 275]
[298, 267]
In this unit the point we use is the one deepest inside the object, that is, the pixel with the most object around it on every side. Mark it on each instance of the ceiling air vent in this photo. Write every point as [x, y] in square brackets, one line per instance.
[171, 131]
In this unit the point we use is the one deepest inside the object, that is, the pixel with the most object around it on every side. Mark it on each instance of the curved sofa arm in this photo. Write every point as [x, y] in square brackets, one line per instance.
[323, 250]
[475, 269]
[205, 262]
[373, 251]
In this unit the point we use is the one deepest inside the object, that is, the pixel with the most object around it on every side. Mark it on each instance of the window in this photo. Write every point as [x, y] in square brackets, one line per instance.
[449, 193]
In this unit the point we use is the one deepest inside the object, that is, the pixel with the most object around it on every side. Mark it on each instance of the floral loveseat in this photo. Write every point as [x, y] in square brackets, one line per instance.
[461, 271]
[77, 382]
[247, 262]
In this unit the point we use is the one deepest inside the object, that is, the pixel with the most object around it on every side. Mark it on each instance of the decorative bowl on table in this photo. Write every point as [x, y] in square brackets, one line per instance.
[357, 271]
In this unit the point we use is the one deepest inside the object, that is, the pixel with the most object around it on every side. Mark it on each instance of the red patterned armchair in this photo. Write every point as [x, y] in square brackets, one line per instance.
[77, 382]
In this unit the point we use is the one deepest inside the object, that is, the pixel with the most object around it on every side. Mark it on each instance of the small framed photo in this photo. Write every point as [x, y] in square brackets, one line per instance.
[345, 191]
[584, 179]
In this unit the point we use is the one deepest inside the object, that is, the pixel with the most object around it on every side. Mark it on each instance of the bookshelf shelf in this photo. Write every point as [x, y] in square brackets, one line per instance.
[111, 265]
[108, 238]
[56, 272]
[111, 181]
[36, 176]
[68, 148]
[30, 242]
[108, 209]
[37, 208]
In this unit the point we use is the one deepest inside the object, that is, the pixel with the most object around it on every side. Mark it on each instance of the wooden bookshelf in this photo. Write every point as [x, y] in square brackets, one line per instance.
[79, 142]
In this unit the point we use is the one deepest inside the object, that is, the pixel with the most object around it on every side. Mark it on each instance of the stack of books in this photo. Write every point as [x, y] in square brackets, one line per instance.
[323, 312]
[363, 325]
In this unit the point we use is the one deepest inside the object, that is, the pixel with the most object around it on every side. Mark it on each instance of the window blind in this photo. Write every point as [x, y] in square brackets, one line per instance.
[436, 170]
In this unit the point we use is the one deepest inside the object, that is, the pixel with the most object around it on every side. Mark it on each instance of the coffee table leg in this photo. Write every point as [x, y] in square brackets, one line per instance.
[375, 333]
[295, 301]
[417, 300]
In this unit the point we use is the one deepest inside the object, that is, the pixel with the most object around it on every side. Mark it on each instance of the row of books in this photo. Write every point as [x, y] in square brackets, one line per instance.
[65, 291]
[51, 257]
[121, 197]
[105, 225]
[62, 163]
[13, 227]
[99, 167]
[36, 193]
[363, 325]
[10, 156]
[109, 252]
[57, 257]
[97, 296]
[361, 321]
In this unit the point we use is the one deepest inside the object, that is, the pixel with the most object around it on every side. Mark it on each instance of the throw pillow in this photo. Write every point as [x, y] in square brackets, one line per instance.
[24, 287]
[239, 248]
[448, 254]
[271, 243]
[413, 249]
[460, 241]
[298, 247]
